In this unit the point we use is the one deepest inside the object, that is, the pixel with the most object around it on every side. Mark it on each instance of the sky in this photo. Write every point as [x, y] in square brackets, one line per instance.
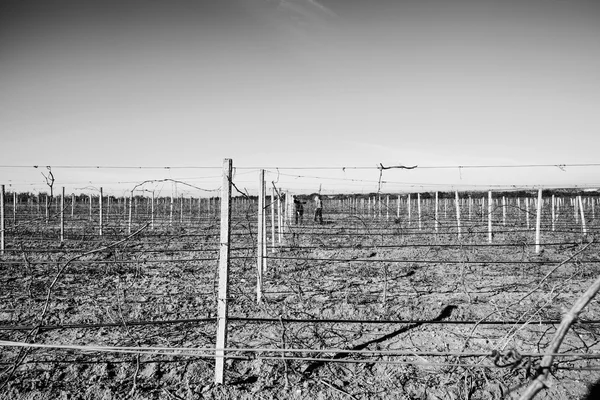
[307, 90]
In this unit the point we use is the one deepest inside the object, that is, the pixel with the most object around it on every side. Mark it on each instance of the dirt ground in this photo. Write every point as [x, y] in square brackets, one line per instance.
[365, 306]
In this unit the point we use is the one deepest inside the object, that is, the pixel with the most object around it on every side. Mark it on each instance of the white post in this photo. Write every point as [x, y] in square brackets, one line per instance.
[171, 211]
[259, 241]
[490, 209]
[181, 210]
[436, 212]
[15, 208]
[582, 216]
[223, 295]
[397, 207]
[62, 215]
[553, 212]
[504, 210]
[152, 211]
[538, 222]
[387, 207]
[575, 214]
[90, 198]
[470, 202]
[101, 216]
[273, 220]
[2, 222]
[279, 220]
[419, 208]
[527, 211]
[72, 206]
[408, 208]
[47, 210]
[457, 203]
[130, 212]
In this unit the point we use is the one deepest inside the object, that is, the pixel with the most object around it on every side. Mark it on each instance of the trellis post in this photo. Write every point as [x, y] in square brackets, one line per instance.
[419, 208]
[223, 294]
[2, 223]
[273, 220]
[436, 212]
[62, 215]
[538, 222]
[260, 238]
[100, 204]
[584, 229]
[490, 209]
[457, 206]
[130, 212]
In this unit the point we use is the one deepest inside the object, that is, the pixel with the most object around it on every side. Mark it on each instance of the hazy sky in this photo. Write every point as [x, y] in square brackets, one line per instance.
[299, 84]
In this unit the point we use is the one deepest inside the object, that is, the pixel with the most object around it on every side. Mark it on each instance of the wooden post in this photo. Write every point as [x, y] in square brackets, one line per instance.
[171, 211]
[14, 208]
[279, 220]
[470, 203]
[387, 207]
[527, 211]
[260, 238]
[2, 222]
[437, 201]
[408, 208]
[419, 208]
[582, 216]
[152, 211]
[100, 206]
[223, 295]
[130, 212]
[273, 220]
[457, 205]
[490, 209]
[553, 213]
[62, 215]
[538, 222]
[504, 210]
[181, 210]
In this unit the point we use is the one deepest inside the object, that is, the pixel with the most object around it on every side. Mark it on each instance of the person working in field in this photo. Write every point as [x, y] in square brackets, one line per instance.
[299, 207]
[318, 209]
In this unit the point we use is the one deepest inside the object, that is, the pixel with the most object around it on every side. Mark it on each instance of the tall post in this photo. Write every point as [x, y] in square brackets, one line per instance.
[221, 343]
[504, 210]
[419, 208]
[72, 206]
[490, 209]
[62, 215]
[397, 207]
[2, 223]
[171, 211]
[47, 210]
[437, 201]
[273, 220]
[260, 238]
[583, 228]
[14, 208]
[279, 220]
[538, 222]
[553, 212]
[130, 212]
[101, 214]
[181, 211]
[152, 211]
[408, 208]
[527, 211]
[387, 207]
[90, 198]
[457, 205]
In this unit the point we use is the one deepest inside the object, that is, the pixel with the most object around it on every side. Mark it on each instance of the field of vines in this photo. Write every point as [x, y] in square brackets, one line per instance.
[391, 297]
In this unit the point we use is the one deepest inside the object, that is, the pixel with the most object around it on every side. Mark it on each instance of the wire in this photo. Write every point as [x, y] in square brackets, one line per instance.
[285, 320]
